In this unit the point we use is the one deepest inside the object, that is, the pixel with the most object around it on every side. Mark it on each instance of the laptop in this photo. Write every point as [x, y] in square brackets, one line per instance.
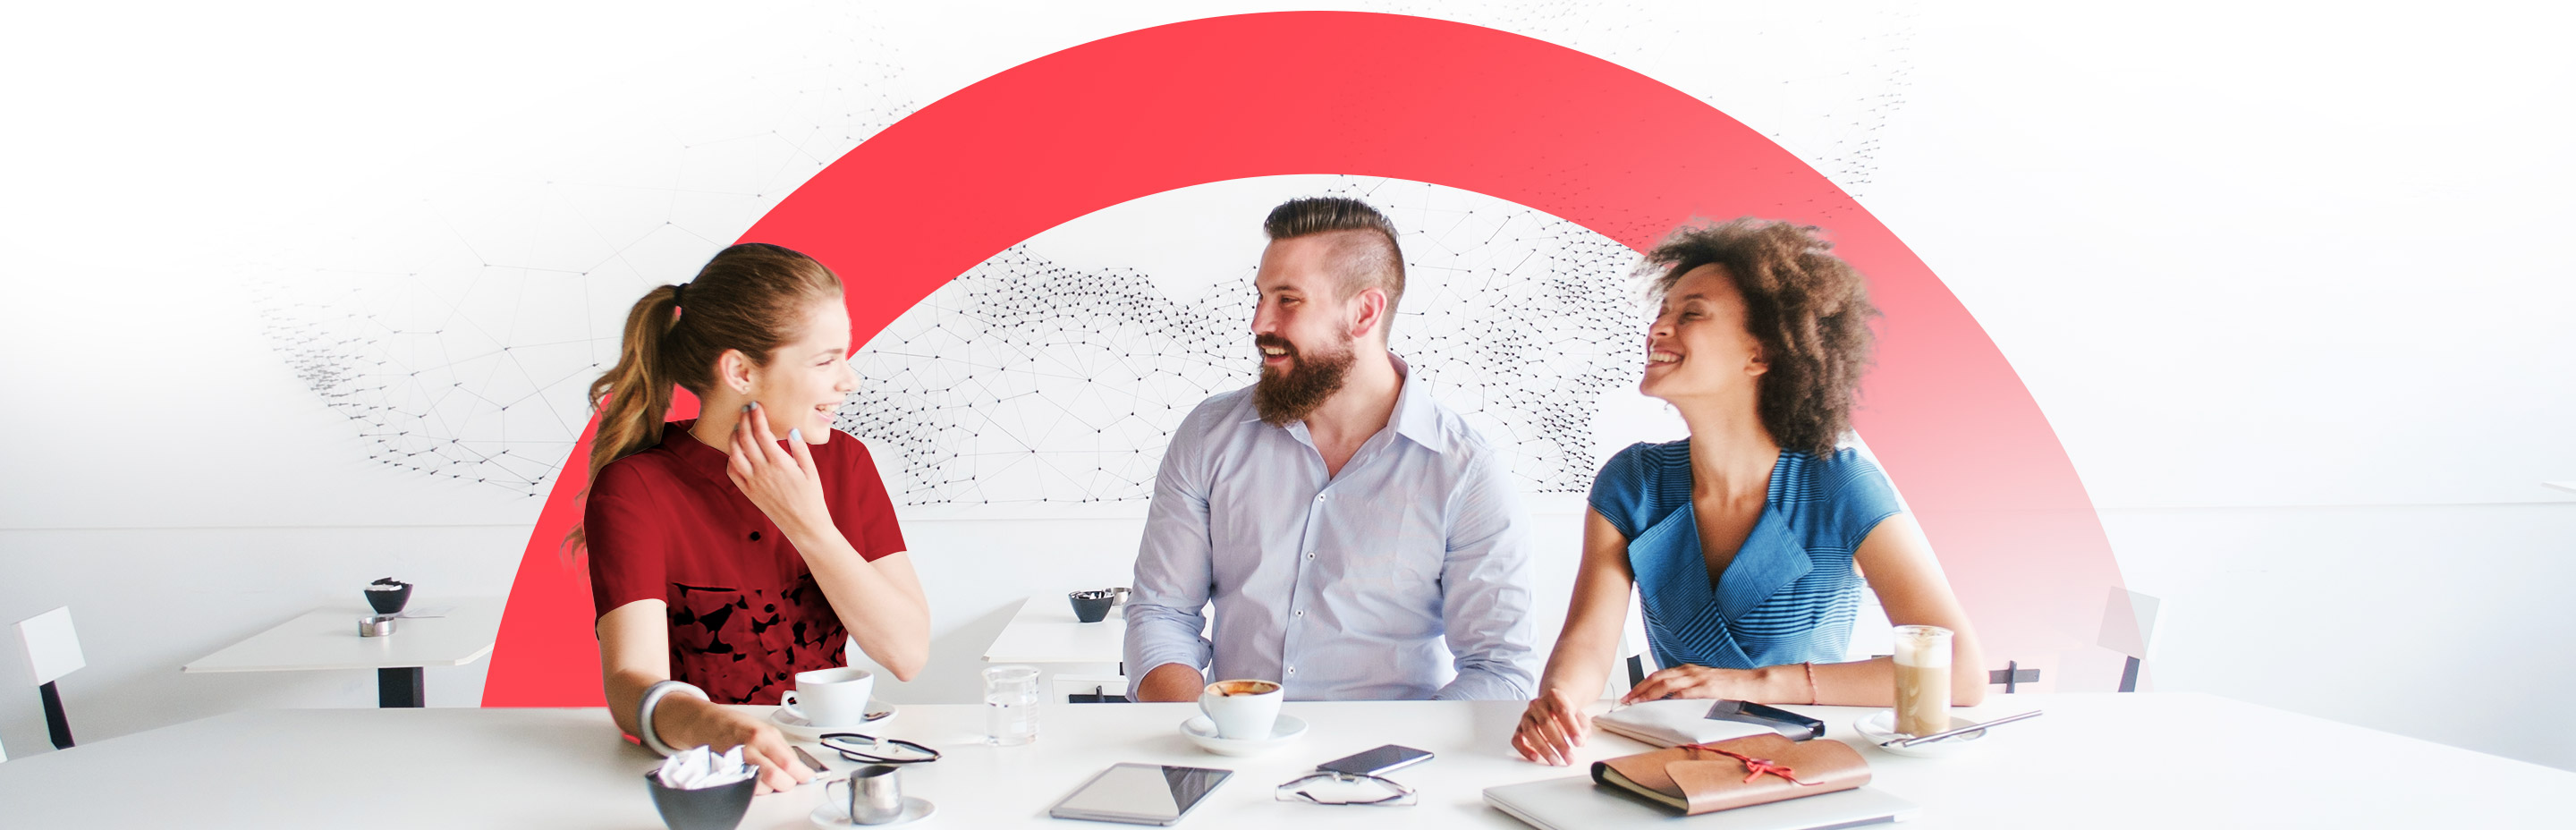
[1575, 803]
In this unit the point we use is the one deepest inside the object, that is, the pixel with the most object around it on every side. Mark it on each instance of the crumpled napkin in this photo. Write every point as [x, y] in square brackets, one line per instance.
[700, 768]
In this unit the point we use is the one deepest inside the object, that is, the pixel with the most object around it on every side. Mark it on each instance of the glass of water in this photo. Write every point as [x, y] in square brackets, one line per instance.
[1010, 705]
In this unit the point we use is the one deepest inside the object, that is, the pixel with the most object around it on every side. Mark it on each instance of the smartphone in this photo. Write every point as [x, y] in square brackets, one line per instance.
[1376, 761]
[1791, 725]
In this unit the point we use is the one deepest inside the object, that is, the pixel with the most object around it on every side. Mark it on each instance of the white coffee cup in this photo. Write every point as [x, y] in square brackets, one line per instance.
[830, 698]
[1242, 710]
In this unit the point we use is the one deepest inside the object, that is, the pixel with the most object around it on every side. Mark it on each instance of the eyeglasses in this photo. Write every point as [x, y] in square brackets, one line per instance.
[1342, 789]
[870, 749]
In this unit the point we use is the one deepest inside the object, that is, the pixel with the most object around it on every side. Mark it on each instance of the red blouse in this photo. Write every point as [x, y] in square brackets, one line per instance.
[746, 615]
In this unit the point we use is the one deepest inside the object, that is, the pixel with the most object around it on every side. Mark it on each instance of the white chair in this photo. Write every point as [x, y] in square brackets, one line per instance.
[53, 650]
[2129, 627]
[1091, 687]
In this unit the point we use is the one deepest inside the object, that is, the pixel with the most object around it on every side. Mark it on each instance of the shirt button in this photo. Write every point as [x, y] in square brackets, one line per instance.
[1310, 556]
[1319, 496]
[1292, 670]
[1301, 612]
[755, 536]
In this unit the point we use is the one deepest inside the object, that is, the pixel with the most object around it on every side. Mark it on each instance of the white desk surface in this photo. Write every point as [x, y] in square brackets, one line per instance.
[328, 639]
[2569, 486]
[1044, 630]
[2100, 760]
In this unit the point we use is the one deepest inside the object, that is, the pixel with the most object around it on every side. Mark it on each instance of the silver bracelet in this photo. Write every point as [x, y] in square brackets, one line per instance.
[653, 698]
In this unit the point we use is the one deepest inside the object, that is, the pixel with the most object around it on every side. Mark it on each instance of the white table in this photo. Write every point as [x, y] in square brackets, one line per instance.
[327, 639]
[2100, 760]
[1044, 630]
[2569, 486]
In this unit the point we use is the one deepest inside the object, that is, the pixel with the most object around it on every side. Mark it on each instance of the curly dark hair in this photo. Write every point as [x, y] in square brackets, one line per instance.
[1810, 309]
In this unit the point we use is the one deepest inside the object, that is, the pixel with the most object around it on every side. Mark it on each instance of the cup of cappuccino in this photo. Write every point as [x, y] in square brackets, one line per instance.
[1922, 679]
[1242, 710]
[830, 698]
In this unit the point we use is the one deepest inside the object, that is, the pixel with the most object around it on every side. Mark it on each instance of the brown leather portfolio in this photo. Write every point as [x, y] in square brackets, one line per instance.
[1758, 769]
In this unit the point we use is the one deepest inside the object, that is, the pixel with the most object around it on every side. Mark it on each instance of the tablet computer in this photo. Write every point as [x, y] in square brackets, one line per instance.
[1140, 794]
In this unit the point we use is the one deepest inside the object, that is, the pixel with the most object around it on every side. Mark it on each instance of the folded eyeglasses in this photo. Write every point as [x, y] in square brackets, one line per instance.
[870, 749]
[1342, 789]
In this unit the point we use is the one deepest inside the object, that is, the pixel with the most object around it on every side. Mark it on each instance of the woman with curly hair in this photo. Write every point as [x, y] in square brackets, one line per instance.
[1747, 540]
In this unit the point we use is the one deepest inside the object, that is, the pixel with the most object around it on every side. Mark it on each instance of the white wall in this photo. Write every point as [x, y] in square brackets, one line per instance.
[2279, 277]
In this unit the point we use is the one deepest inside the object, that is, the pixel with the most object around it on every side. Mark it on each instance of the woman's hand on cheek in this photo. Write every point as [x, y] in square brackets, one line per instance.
[783, 483]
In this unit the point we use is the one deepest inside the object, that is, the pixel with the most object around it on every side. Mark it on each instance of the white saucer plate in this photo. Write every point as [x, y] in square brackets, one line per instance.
[1880, 727]
[837, 816]
[796, 727]
[1284, 731]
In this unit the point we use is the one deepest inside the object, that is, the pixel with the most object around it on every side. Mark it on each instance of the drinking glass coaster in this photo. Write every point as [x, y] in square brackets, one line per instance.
[796, 727]
[837, 816]
[1880, 727]
[1284, 731]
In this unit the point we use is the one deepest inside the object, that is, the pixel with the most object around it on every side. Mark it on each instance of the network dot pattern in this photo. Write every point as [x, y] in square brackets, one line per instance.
[457, 321]
[1023, 380]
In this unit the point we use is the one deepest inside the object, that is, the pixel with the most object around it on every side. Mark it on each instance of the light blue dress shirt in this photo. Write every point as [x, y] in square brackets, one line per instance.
[1338, 587]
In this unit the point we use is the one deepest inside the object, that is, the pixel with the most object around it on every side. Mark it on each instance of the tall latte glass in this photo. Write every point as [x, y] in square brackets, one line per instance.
[1922, 679]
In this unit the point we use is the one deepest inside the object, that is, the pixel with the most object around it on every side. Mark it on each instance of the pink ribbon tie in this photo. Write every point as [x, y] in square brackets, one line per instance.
[1756, 767]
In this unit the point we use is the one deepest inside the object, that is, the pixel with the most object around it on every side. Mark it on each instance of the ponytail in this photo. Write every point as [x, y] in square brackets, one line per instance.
[749, 298]
[635, 393]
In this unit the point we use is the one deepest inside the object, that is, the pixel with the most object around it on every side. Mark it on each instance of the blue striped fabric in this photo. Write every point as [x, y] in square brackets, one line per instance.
[1789, 593]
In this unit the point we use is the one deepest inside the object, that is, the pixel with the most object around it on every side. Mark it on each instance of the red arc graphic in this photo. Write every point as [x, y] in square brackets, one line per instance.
[1435, 101]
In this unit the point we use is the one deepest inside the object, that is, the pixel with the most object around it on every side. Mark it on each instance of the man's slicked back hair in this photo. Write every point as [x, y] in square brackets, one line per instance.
[1362, 263]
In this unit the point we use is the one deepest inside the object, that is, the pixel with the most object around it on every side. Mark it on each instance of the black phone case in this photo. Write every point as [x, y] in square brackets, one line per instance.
[1343, 764]
[1789, 724]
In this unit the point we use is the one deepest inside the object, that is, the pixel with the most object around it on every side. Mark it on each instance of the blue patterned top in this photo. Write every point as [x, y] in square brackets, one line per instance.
[1789, 594]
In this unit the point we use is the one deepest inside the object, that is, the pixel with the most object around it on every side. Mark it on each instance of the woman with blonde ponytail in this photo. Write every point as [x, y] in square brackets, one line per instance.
[723, 560]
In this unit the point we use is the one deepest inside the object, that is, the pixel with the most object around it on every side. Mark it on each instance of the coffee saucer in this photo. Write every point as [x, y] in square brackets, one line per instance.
[1880, 727]
[1202, 731]
[796, 727]
[828, 814]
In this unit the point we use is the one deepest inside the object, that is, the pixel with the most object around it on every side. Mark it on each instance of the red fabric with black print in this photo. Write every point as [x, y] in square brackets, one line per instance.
[746, 615]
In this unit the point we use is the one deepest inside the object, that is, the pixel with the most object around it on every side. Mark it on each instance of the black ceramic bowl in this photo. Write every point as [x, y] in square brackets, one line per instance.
[389, 602]
[1092, 606]
[713, 808]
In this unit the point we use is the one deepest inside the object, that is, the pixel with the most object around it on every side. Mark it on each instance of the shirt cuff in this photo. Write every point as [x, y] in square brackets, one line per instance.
[1484, 685]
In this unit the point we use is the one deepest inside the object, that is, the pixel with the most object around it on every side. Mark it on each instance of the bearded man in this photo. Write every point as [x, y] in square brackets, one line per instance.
[1357, 540]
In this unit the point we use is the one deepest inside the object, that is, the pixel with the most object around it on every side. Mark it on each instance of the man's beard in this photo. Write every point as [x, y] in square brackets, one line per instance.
[1282, 397]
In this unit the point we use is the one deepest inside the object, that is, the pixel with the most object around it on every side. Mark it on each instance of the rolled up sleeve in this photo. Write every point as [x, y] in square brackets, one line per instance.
[1486, 599]
[1174, 573]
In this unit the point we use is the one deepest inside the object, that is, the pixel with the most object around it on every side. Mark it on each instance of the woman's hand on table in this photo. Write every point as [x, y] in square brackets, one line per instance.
[1550, 729]
[783, 483]
[722, 728]
[1688, 681]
